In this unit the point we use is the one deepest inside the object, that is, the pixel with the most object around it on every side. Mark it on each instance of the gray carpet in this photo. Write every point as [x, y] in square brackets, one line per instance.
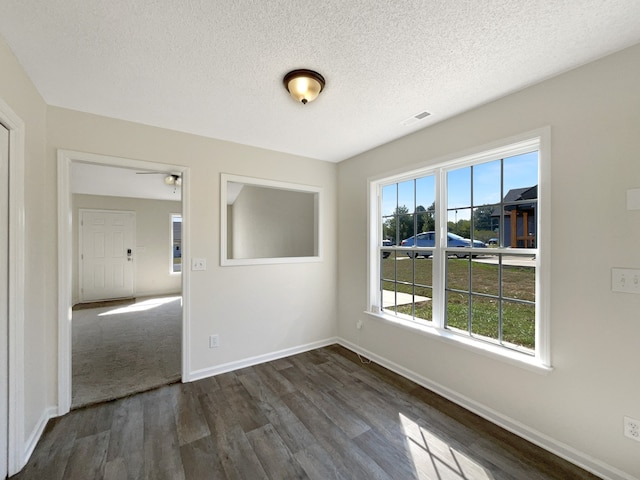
[119, 350]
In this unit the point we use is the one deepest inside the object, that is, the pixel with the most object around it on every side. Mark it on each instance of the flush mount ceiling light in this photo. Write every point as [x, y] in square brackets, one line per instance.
[303, 85]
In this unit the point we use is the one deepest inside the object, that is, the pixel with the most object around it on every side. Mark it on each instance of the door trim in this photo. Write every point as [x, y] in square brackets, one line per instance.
[65, 255]
[16, 447]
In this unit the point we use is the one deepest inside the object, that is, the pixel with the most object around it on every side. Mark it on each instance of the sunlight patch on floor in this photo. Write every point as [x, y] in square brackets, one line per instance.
[142, 306]
[434, 458]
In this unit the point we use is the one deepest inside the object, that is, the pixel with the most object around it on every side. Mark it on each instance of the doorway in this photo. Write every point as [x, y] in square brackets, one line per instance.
[66, 161]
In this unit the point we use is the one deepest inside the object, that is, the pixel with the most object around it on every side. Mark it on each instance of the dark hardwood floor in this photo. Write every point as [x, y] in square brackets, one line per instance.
[320, 415]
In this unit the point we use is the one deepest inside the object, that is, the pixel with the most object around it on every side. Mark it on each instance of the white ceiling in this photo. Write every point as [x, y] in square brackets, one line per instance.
[215, 68]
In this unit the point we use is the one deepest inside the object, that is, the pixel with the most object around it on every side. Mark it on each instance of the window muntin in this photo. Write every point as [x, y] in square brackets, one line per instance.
[476, 196]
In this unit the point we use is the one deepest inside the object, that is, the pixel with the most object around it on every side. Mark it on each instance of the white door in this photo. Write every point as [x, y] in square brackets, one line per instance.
[4, 294]
[107, 249]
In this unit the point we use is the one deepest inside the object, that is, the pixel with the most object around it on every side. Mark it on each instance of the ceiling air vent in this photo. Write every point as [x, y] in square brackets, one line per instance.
[415, 118]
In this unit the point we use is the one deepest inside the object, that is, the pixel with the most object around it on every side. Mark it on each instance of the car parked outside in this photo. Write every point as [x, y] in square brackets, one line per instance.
[386, 243]
[428, 239]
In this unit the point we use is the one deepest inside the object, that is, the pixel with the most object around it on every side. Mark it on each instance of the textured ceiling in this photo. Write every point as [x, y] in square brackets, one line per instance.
[215, 68]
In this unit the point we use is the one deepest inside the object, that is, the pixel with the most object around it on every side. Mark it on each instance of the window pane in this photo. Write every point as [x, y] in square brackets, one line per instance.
[486, 183]
[425, 204]
[519, 278]
[397, 288]
[485, 317]
[520, 171]
[458, 274]
[405, 226]
[424, 305]
[519, 324]
[423, 289]
[485, 275]
[389, 295]
[520, 187]
[520, 224]
[486, 224]
[388, 229]
[459, 188]
[406, 195]
[389, 199]
[459, 222]
[458, 311]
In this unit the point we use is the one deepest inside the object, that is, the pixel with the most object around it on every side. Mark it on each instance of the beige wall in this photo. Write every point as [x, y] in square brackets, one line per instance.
[256, 310]
[153, 241]
[272, 223]
[39, 324]
[594, 114]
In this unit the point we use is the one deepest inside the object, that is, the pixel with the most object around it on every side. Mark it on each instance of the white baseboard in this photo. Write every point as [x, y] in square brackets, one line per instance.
[248, 362]
[36, 433]
[556, 447]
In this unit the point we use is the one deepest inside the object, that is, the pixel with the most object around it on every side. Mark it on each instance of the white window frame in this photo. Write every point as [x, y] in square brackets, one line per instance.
[172, 218]
[536, 140]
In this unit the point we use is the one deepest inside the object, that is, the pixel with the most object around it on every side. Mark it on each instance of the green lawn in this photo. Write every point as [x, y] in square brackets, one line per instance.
[518, 283]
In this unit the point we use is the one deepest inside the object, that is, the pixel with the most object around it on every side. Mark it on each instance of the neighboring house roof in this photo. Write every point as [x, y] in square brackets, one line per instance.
[526, 193]
[517, 195]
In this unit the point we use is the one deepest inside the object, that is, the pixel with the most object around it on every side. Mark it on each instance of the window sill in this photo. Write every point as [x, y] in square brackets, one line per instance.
[496, 352]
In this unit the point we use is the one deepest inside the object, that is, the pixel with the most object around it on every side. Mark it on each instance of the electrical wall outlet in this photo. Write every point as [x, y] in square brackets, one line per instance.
[359, 324]
[214, 341]
[632, 428]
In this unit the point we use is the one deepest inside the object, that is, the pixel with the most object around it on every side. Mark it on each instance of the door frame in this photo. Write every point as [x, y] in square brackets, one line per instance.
[66, 158]
[16, 455]
[80, 252]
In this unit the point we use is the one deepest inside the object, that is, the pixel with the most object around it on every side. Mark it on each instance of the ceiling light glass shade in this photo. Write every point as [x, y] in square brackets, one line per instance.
[304, 85]
[173, 180]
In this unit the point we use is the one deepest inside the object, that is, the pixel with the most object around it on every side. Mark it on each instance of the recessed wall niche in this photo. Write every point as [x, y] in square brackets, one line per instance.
[266, 221]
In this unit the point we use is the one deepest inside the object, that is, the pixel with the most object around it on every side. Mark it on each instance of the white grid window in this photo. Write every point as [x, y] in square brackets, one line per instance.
[458, 247]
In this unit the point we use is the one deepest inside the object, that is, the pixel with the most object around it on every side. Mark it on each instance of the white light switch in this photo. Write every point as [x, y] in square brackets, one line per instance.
[625, 280]
[198, 264]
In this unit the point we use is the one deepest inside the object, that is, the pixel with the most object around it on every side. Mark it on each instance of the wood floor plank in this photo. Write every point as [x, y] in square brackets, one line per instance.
[318, 464]
[229, 440]
[161, 446]
[274, 379]
[88, 457]
[322, 414]
[257, 389]
[346, 454]
[127, 428]
[394, 459]
[289, 427]
[278, 462]
[201, 461]
[190, 421]
[345, 419]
